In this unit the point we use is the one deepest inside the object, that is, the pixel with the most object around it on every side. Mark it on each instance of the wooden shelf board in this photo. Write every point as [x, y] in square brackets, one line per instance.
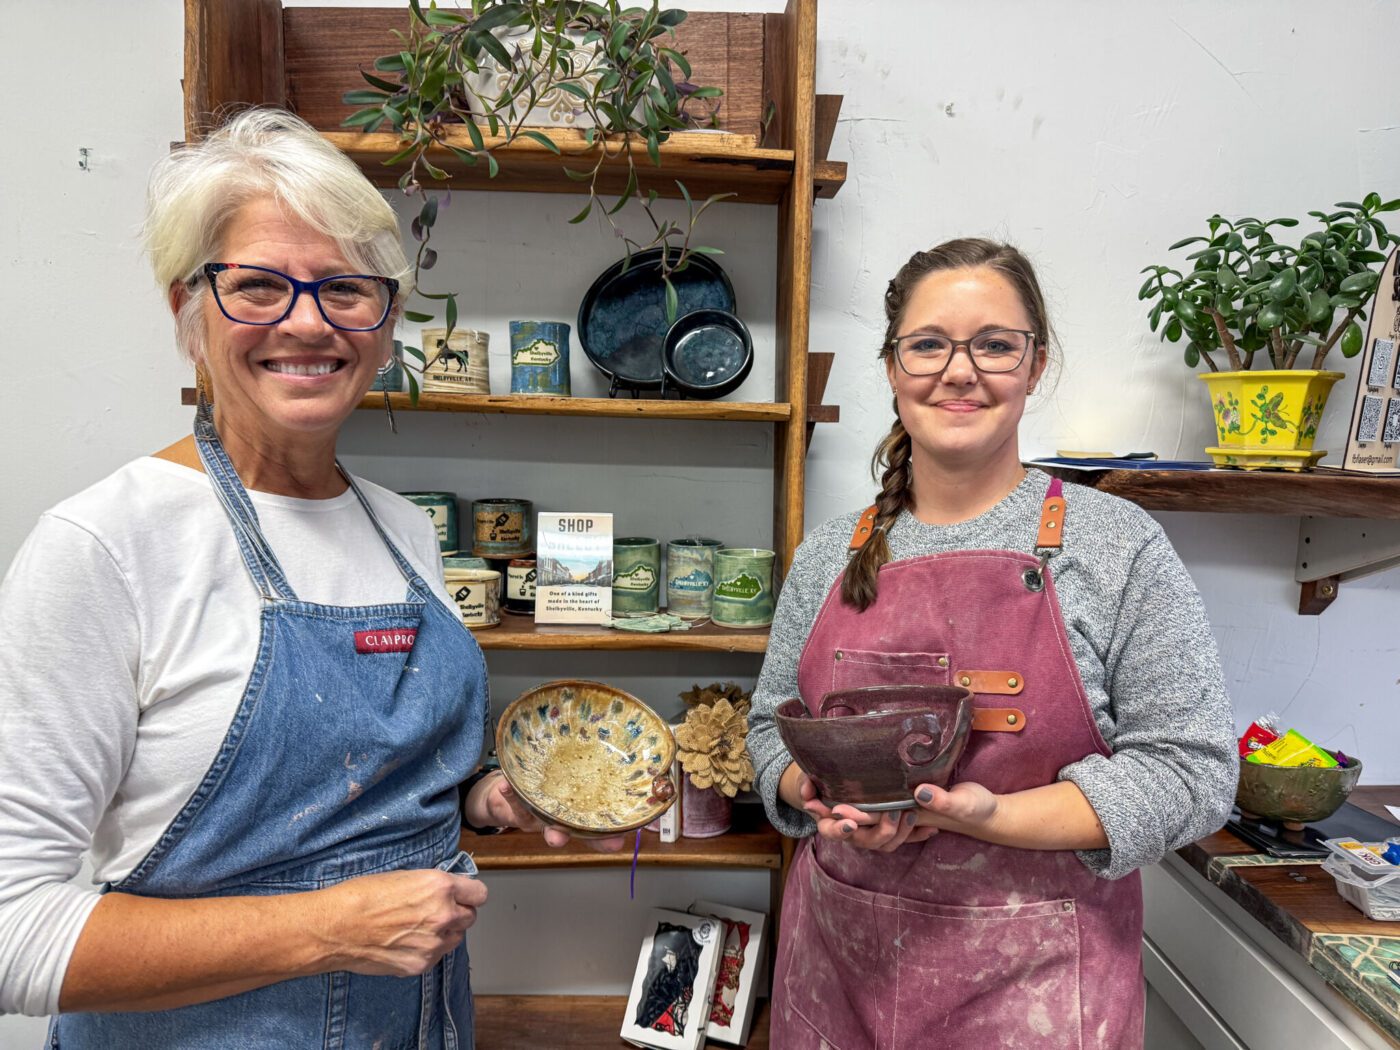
[611, 407]
[1319, 493]
[707, 162]
[521, 632]
[569, 1022]
[751, 843]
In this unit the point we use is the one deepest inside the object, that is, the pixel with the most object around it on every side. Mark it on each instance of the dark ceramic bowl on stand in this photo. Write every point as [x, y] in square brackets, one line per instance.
[708, 353]
[1294, 795]
[870, 748]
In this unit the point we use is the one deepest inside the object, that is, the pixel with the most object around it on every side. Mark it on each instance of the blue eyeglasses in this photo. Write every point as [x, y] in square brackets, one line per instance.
[352, 302]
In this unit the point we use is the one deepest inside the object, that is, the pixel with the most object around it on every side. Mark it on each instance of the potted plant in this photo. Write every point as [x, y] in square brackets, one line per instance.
[714, 756]
[470, 81]
[1250, 299]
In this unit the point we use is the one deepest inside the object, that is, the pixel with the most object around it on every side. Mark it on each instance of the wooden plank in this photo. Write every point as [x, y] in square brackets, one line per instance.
[750, 844]
[794, 273]
[828, 112]
[233, 57]
[521, 632]
[540, 405]
[1315, 596]
[569, 1022]
[1330, 494]
[828, 177]
[326, 47]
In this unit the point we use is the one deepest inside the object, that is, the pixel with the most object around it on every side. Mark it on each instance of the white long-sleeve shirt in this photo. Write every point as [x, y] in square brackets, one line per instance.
[128, 628]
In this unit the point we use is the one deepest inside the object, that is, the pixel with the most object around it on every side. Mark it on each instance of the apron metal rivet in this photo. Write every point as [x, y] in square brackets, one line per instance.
[965, 681]
[942, 661]
[1013, 682]
[839, 654]
[1011, 720]
[1069, 905]
[1054, 506]
[1049, 524]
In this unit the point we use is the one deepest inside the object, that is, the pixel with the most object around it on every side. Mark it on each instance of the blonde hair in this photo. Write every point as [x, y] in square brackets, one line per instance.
[892, 459]
[262, 153]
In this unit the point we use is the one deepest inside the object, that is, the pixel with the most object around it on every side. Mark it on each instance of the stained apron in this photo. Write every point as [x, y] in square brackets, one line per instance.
[343, 759]
[953, 941]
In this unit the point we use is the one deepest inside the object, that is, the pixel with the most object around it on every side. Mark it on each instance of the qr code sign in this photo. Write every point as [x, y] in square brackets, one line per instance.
[1382, 358]
[1391, 433]
[1370, 426]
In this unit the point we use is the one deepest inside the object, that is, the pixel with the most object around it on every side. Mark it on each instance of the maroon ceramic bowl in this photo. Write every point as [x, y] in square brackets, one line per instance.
[871, 747]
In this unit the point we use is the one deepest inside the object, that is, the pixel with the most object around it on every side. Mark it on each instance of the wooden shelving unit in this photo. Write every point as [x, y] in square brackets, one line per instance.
[771, 149]
[521, 632]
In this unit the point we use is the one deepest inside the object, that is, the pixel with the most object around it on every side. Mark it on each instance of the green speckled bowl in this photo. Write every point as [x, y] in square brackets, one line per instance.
[1295, 795]
[588, 757]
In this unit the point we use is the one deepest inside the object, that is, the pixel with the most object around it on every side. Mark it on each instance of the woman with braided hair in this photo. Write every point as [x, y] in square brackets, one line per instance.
[1005, 910]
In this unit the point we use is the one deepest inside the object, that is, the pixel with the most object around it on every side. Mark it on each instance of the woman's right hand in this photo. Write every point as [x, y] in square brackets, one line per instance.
[397, 924]
[885, 832]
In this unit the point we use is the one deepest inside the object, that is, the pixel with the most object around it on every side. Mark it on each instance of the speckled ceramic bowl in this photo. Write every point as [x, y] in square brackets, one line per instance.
[1294, 795]
[871, 747]
[587, 756]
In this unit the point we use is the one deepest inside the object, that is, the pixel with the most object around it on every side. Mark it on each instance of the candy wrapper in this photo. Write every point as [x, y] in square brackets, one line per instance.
[1261, 732]
[1292, 749]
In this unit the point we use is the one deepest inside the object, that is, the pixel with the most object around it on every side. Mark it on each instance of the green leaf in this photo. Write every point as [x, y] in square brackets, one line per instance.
[492, 167]
[474, 133]
[437, 17]
[671, 19]
[682, 63]
[1371, 201]
[627, 193]
[1352, 340]
[1192, 355]
[495, 49]
[416, 317]
[428, 214]
[574, 89]
[495, 17]
[1359, 282]
[543, 139]
[653, 149]
[1186, 311]
[704, 249]
[363, 98]
[412, 386]
[1283, 286]
[1319, 309]
[390, 64]
[422, 357]
[707, 92]
[1173, 330]
[1155, 315]
[1271, 316]
[578, 176]
[583, 214]
[451, 313]
[1389, 206]
[672, 302]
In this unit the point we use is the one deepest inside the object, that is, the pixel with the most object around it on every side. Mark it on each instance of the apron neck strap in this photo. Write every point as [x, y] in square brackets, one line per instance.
[1052, 521]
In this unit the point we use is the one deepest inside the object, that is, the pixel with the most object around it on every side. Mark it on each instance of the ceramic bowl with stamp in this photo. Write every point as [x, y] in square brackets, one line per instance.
[1294, 795]
[872, 747]
[588, 757]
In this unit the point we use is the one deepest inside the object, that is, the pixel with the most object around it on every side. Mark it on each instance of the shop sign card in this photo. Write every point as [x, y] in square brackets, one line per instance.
[668, 1008]
[742, 950]
[574, 568]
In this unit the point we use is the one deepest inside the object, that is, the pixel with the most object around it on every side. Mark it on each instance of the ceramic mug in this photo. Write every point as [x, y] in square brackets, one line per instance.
[690, 577]
[502, 528]
[456, 364]
[636, 576]
[441, 507]
[477, 593]
[743, 587]
[520, 586]
[539, 358]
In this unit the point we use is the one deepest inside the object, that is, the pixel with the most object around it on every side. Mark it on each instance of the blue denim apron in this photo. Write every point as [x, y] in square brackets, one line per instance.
[343, 759]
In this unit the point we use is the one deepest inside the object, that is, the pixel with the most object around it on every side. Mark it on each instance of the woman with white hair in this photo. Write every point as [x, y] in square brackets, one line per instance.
[244, 690]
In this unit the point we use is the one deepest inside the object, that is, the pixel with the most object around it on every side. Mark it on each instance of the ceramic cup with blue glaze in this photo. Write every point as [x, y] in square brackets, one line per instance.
[636, 586]
[539, 358]
[743, 587]
[690, 577]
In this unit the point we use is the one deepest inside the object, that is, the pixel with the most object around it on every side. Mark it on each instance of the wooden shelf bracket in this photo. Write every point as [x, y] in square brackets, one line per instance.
[1331, 550]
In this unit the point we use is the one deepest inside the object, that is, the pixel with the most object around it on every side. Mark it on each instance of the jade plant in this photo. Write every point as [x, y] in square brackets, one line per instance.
[481, 69]
[1252, 297]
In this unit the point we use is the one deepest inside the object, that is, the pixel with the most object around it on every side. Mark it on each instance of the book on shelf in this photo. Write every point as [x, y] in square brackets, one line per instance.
[669, 1004]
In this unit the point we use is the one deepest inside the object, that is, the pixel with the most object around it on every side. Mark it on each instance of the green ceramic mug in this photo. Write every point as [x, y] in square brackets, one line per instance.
[690, 577]
[636, 576]
[743, 587]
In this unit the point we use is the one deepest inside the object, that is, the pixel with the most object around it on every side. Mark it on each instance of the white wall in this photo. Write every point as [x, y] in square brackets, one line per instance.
[1092, 135]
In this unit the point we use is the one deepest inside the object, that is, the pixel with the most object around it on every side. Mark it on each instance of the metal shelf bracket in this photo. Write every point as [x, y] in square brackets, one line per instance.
[1331, 550]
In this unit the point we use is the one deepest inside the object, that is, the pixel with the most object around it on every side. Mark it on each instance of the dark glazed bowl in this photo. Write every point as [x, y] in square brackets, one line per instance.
[708, 353]
[1294, 795]
[871, 747]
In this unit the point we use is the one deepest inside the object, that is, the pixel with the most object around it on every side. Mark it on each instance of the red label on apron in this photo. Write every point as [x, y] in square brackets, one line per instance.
[385, 641]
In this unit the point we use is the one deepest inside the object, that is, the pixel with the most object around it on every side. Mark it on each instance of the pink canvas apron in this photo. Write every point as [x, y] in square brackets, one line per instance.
[955, 942]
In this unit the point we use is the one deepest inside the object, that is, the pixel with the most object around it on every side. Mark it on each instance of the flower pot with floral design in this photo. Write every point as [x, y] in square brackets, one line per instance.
[1268, 419]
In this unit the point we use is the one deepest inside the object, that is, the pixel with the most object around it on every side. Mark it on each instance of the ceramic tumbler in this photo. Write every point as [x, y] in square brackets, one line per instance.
[457, 364]
[441, 507]
[539, 358]
[690, 577]
[743, 587]
[502, 528]
[477, 593]
[520, 586]
[636, 576]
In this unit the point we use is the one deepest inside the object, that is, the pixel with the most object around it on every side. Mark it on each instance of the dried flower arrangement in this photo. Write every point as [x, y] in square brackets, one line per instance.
[713, 751]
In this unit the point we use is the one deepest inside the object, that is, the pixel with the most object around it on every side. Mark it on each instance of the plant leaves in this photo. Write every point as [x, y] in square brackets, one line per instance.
[416, 317]
[543, 139]
[1352, 340]
[672, 302]
[583, 214]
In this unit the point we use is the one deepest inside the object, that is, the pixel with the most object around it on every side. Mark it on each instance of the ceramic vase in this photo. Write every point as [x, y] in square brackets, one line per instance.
[743, 587]
[1267, 419]
[636, 576]
[690, 577]
[705, 812]
[539, 358]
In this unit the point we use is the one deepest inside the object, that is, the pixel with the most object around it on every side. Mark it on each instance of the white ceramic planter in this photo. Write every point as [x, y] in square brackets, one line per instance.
[556, 107]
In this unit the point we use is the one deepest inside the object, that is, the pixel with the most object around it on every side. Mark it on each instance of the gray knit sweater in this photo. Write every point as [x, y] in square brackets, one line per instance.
[1140, 639]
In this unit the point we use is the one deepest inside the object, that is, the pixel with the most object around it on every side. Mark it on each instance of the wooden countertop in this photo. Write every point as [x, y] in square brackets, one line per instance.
[1298, 903]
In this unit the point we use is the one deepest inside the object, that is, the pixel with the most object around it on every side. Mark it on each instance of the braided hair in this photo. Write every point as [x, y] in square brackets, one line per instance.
[892, 461]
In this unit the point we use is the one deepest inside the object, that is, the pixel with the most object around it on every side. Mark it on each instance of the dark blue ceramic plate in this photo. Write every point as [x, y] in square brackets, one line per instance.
[622, 320]
[707, 354]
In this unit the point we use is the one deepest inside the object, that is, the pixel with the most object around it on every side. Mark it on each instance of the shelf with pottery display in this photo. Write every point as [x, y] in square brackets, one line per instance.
[521, 632]
[751, 843]
[569, 1022]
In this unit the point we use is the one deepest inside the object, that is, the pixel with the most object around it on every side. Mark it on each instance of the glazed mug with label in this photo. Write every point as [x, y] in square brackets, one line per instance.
[636, 586]
[743, 587]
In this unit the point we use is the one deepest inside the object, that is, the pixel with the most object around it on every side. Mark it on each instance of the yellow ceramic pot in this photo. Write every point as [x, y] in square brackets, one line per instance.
[1268, 419]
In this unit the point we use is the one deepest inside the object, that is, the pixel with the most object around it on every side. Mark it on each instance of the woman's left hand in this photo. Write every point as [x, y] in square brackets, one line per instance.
[965, 807]
[505, 810]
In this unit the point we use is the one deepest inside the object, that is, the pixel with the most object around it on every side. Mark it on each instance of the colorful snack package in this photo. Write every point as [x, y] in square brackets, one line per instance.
[1292, 749]
[1256, 736]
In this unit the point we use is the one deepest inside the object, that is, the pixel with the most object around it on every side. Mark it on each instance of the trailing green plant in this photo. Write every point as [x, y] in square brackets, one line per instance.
[613, 67]
[1248, 292]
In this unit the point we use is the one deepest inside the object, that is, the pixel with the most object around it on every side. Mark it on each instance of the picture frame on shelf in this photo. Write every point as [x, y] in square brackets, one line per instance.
[668, 1006]
[743, 948]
